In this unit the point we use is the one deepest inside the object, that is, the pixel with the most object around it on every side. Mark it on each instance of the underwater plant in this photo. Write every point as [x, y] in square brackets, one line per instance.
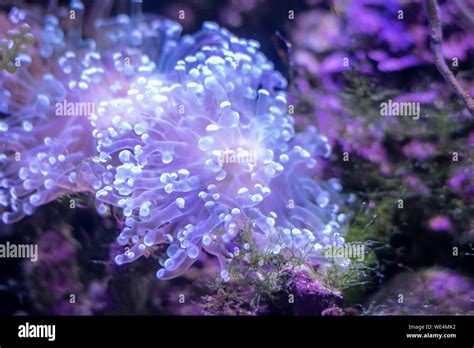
[189, 136]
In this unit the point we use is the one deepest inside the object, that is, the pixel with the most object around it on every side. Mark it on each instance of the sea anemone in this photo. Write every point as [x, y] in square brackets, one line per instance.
[189, 135]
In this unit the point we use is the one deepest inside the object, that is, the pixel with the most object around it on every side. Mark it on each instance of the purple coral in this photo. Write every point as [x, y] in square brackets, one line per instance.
[190, 136]
[310, 297]
[432, 291]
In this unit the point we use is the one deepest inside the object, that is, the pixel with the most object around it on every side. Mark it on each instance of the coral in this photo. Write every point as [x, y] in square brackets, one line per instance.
[440, 223]
[309, 297]
[375, 43]
[462, 183]
[222, 110]
[55, 280]
[208, 166]
[394, 164]
[45, 153]
[269, 285]
[188, 135]
[431, 291]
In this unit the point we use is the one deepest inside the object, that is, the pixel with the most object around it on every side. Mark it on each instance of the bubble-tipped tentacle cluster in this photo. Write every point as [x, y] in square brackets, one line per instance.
[39, 152]
[190, 137]
[47, 144]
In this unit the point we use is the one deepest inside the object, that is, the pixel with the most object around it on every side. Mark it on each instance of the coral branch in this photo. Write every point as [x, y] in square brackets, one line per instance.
[436, 39]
